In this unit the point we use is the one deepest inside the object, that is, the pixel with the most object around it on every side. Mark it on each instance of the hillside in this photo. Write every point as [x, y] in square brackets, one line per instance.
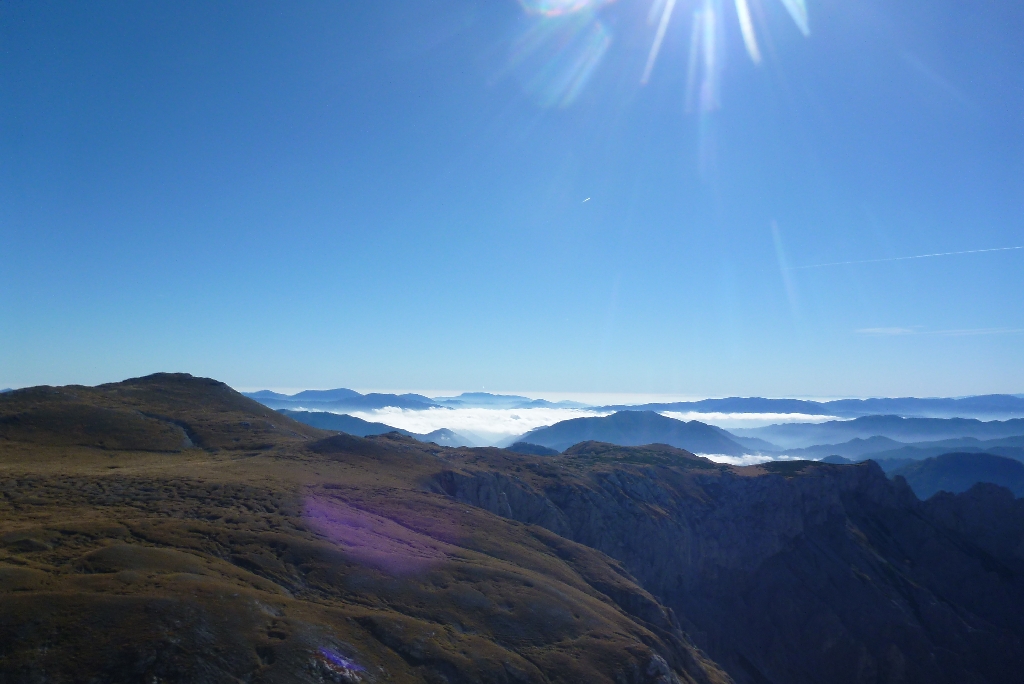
[162, 412]
[269, 551]
[340, 422]
[958, 472]
[332, 558]
[633, 428]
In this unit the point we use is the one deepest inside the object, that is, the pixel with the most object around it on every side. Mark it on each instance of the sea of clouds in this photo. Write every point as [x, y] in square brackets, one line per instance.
[485, 426]
[751, 459]
[499, 427]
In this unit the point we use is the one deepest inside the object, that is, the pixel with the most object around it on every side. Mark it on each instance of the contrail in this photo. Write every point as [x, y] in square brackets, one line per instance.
[917, 256]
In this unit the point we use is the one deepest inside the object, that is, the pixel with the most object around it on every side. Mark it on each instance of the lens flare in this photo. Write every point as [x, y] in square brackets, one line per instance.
[556, 55]
[798, 10]
[704, 68]
[555, 8]
[564, 41]
[341, 662]
[747, 31]
[666, 16]
[372, 540]
[707, 43]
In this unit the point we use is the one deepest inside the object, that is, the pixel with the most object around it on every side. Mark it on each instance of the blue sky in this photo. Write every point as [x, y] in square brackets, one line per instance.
[318, 194]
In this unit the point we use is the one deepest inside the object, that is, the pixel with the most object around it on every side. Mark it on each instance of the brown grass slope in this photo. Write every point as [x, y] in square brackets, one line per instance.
[161, 412]
[167, 529]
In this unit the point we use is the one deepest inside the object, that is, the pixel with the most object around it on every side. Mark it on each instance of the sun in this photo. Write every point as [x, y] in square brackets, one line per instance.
[567, 40]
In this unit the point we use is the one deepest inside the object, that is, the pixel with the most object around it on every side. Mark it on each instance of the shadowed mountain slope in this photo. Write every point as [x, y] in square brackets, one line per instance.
[789, 572]
[341, 422]
[632, 428]
[958, 472]
[313, 558]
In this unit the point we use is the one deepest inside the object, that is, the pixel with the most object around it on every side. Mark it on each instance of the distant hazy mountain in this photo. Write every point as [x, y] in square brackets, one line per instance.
[884, 449]
[364, 428]
[752, 444]
[340, 400]
[733, 405]
[266, 394]
[986, 406]
[635, 428]
[501, 401]
[531, 449]
[958, 472]
[445, 437]
[326, 395]
[6, 389]
[851, 449]
[913, 452]
[801, 435]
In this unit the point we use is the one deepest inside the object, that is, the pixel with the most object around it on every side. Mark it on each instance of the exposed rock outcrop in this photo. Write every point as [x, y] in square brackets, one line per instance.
[815, 573]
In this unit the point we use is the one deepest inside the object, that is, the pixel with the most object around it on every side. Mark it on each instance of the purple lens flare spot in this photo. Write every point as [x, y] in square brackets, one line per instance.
[340, 661]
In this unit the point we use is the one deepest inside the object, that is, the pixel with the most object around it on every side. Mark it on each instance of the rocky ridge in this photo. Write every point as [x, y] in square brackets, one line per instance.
[810, 573]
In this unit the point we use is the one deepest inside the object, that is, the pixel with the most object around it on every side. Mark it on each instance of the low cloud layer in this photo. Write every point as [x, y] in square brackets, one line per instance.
[753, 459]
[488, 426]
[497, 426]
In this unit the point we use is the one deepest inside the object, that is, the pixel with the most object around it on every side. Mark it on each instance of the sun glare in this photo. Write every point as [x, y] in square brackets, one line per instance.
[566, 40]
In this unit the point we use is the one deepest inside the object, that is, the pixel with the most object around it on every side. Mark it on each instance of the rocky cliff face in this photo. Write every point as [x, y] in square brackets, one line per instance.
[811, 573]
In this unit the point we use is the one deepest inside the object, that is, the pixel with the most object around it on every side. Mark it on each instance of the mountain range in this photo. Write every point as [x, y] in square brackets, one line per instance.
[897, 428]
[988, 406]
[502, 401]
[345, 399]
[885, 448]
[169, 529]
[341, 400]
[983, 406]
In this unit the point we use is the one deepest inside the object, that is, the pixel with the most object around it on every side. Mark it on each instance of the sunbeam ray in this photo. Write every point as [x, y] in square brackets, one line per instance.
[747, 30]
[666, 15]
[798, 10]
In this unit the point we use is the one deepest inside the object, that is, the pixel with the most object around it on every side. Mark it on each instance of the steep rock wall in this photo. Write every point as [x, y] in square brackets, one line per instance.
[832, 574]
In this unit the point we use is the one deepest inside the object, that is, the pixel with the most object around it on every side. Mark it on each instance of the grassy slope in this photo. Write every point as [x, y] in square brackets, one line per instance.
[267, 553]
